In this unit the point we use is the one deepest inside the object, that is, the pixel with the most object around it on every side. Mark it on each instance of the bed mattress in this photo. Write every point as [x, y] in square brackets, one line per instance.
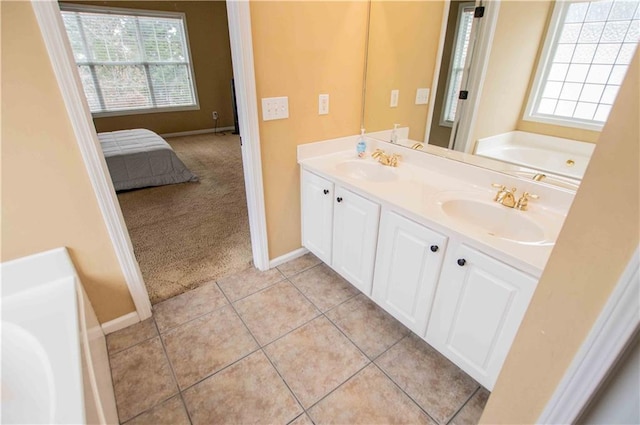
[140, 158]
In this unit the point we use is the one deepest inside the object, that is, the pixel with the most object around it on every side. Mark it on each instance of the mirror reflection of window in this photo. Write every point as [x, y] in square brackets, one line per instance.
[458, 60]
[587, 53]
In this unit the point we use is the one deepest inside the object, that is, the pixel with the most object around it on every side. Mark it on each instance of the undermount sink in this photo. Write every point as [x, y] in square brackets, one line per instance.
[367, 170]
[495, 220]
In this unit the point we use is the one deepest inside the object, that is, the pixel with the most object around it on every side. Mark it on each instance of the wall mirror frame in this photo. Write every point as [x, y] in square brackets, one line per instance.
[416, 45]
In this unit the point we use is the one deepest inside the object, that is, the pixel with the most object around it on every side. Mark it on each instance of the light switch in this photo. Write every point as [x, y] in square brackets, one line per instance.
[394, 98]
[422, 96]
[323, 104]
[275, 108]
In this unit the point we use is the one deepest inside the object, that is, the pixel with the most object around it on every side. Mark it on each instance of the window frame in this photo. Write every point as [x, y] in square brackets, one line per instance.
[542, 71]
[443, 113]
[72, 7]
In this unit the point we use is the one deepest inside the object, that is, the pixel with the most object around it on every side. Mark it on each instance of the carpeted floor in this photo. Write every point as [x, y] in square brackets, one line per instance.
[191, 233]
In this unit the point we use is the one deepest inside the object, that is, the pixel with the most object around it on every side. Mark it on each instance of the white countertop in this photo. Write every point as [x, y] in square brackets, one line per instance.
[425, 181]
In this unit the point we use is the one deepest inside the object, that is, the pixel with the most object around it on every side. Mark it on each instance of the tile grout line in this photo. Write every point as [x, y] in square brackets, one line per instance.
[464, 404]
[264, 353]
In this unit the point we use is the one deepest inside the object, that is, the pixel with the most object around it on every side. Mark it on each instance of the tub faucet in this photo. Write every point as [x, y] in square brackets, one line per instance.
[417, 146]
[538, 177]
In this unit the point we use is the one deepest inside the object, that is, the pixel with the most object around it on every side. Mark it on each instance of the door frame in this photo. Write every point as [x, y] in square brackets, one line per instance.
[47, 13]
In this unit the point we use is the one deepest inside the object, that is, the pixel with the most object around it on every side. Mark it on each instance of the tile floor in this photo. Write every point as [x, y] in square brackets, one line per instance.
[293, 345]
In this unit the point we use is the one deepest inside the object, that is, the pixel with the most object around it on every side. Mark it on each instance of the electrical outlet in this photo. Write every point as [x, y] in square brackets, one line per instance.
[394, 98]
[422, 96]
[275, 108]
[323, 104]
[215, 115]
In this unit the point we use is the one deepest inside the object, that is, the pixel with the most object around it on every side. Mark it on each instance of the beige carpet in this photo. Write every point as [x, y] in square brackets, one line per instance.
[186, 234]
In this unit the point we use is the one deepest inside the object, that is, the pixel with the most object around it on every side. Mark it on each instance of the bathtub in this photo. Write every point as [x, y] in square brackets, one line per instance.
[555, 155]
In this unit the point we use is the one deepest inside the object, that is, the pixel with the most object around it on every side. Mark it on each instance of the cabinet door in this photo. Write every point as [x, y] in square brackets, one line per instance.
[317, 215]
[355, 233]
[407, 270]
[478, 308]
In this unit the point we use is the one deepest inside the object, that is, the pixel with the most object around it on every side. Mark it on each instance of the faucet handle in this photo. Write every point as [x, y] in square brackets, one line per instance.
[523, 202]
[377, 153]
[502, 189]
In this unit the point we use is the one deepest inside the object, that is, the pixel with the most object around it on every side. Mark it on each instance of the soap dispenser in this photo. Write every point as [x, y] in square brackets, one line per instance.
[394, 134]
[361, 147]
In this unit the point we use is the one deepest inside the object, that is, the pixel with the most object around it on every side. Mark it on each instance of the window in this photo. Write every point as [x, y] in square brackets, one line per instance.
[131, 61]
[458, 60]
[586, 55]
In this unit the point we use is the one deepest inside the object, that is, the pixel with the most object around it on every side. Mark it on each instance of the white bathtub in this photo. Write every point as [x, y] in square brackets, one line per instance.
[563, 157]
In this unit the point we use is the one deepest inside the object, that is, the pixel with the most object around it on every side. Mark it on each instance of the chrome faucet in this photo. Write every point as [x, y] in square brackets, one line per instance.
[384, 159]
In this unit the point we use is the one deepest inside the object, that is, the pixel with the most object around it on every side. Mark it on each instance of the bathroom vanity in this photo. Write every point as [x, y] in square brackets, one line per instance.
[426, 241]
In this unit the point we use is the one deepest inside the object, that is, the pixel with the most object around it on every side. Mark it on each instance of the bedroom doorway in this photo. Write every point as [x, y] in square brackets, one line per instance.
[66, 72]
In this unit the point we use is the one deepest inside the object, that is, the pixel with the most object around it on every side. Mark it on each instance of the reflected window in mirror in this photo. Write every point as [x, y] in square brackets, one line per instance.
[457, 65]
[587, 52]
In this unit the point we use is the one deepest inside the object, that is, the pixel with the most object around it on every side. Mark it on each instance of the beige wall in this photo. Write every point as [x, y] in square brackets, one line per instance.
[303, 49]
[211, 55]
[599, 236]
[519, 32]
[440, 134]
[47, 199]
[402, 53]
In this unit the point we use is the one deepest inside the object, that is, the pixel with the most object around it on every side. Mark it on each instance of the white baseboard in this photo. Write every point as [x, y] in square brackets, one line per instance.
[120, 323]
[287, 257]
[196, 132]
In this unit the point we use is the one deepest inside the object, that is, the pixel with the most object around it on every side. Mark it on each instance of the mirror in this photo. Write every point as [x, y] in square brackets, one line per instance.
[422, 53]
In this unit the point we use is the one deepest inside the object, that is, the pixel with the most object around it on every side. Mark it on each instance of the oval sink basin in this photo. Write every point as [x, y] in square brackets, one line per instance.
[367, 170]
[495, 220]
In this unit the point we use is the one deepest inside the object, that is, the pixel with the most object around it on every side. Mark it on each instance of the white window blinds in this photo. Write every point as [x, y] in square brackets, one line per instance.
[131, 61]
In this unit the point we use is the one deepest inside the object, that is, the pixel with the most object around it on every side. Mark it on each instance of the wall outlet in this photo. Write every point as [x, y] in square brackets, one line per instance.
[394, 98]
[422, 96]
[275, 108]
[215, 115]
[323, 104]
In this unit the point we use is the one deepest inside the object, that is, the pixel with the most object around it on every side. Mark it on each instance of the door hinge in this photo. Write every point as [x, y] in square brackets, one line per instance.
[479, 12]
[464, 94]
[240, 140]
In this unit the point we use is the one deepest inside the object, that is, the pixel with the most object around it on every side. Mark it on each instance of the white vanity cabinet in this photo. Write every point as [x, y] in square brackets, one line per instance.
[408, 265]
[341, 228]
[477, 311]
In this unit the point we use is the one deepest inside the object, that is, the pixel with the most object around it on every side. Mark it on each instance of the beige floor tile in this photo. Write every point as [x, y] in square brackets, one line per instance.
[371, 328]
[301, 420]
[435, 383]
[471, 412]
[187, 306]
[141, 378]
[207, 344]
[170, 412]
[248, 392]
[273, 312]
[324, 287]
[131, 335]
[299, 264]
[315, 359]
[368, 398]
[247, 282]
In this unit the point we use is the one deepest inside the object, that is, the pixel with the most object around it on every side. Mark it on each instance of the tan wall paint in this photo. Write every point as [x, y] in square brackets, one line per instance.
[519, 33]
[303, 49]
[47, 199]
[599, 236]
[440, 134]
[402, 53]
[211, 55]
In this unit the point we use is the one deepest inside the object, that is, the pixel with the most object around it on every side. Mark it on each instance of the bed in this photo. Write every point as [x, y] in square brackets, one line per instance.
[140, 158]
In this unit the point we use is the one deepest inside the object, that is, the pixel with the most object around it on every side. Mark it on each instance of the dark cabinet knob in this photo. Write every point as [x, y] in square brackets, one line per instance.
[462, 262]
[339, 199]
[434, 248]
[326, 191]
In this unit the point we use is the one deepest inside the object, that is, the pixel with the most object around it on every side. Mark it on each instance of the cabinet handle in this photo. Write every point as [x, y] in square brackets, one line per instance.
[326, 191]
[339, 199]
[462, 262]
[434, 248]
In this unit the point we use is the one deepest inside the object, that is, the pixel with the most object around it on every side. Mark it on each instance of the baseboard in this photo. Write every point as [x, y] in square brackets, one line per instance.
[196, 132]
[120, 323]
[287, 257]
